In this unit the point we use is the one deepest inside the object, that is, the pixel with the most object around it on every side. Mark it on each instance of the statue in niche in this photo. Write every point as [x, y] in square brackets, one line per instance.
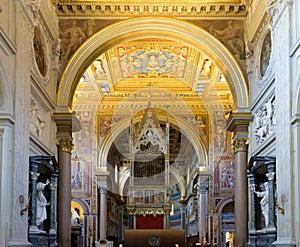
[41, 203]
[264, 202]
[74, 217]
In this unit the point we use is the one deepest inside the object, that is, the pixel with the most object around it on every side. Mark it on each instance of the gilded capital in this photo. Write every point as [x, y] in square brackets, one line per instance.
[65, 145]
[240, 145]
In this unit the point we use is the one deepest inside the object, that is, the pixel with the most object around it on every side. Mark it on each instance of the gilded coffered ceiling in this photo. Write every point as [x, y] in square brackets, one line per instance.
[166, 70]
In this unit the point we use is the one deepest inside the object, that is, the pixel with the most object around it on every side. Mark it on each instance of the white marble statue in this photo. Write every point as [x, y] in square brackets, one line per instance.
[75, 217]
[264, 202]
[41, 203]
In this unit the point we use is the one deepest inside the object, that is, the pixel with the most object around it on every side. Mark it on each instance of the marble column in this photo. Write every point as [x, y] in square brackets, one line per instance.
[103, 211]
[64, 192]
[167, 220]
[66, 123]
[34, 176]
[238, 123]
[240, 192]
[167, 168]
[53, 189]
[202, 204]
[271, 176]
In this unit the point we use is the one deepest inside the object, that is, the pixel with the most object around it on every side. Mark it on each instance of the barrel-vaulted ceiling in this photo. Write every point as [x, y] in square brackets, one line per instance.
[134, 68]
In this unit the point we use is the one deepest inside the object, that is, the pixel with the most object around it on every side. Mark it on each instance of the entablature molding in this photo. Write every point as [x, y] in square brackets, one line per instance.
[121, 9]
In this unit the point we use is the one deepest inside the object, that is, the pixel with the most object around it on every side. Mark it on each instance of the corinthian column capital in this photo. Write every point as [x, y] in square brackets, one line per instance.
[65, 145]
[240, 145]
[102, 189]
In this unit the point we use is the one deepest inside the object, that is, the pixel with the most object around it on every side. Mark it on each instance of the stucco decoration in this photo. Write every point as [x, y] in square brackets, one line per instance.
[37, 120]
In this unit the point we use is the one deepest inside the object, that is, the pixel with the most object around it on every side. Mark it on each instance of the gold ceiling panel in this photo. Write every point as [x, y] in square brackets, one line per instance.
[172, 74]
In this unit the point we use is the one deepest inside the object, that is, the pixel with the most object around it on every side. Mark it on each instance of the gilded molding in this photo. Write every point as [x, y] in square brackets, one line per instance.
[154, 8]
[65, 145]
[240, 145]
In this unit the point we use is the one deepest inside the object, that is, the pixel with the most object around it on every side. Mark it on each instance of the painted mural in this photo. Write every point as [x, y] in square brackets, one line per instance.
[224, 177]
[82, 158]
[74, 32]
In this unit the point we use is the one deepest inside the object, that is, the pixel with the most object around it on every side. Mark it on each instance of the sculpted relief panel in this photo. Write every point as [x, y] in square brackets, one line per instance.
[37, 119]
[264, 120]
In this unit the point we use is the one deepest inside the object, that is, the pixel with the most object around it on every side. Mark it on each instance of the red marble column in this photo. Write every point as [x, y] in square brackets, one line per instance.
[241, 193]
[238, 123]
[66, 123]
[64, 192]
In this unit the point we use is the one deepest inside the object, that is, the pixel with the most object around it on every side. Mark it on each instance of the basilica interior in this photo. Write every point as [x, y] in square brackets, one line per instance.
[149, 123]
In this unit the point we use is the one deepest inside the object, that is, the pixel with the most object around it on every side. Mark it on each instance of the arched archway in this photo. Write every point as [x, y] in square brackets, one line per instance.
[83, 204]
[148, 27]
[186, 129]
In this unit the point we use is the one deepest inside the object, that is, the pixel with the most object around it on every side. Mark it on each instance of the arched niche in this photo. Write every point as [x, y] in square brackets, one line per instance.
[172, 29]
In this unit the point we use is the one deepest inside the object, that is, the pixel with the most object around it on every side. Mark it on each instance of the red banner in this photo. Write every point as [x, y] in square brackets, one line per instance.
[149, 222]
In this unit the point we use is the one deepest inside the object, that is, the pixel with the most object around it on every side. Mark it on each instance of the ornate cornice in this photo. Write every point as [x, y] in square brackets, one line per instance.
[134, 209]
[123, 8]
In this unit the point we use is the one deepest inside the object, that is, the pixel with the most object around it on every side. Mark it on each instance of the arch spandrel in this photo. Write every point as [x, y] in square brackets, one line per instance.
[168, 28]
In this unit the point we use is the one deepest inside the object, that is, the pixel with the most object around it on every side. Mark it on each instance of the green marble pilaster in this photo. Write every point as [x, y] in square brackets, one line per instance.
[53, 189]
[252, 213]
[34, 176]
